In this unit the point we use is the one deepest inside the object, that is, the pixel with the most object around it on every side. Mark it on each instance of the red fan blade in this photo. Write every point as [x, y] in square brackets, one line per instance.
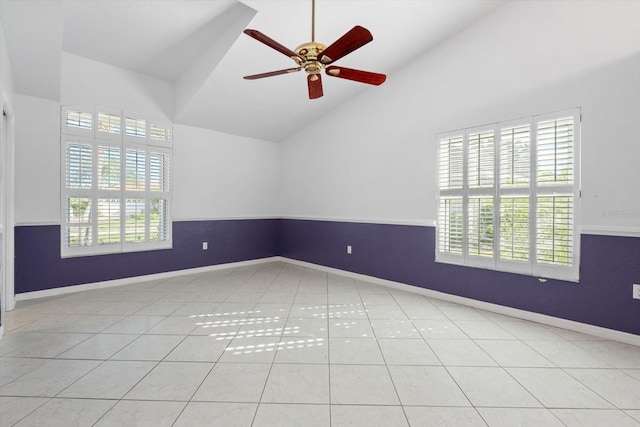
[272, 73]
[353, 39]
[315, 85]
[356, 75]
[273, 44]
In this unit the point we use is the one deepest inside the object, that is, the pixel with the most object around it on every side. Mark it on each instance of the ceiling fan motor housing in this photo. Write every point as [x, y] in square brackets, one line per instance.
[310, 51]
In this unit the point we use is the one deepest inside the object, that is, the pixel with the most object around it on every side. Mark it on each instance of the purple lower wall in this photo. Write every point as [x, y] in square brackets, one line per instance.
[38, 265]
[401, 253]
[609, 267]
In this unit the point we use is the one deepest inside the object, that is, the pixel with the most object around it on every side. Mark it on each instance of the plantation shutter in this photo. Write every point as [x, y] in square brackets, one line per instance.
[115, 183]
[556, 246]
[450, 238]
[508, 196]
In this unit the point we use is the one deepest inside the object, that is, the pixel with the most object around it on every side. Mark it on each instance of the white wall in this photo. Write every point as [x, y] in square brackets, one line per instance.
[37, 160]
[218, 175]
[6, 79]
[375, 157]
[215, 175]
[88, 82]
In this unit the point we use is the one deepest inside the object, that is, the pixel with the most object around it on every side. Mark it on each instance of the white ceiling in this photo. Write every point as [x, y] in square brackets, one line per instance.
[198, 46]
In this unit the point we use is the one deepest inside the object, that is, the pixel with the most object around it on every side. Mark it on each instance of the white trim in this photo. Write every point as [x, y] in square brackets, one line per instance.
[396, 221]
[584, 328]
[610, 334]
[9, 302]
[137, 279]
[1, 330]
[610, 231]
[226, 218]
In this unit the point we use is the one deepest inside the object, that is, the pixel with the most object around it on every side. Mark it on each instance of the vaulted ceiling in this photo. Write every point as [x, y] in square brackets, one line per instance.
[198, 47]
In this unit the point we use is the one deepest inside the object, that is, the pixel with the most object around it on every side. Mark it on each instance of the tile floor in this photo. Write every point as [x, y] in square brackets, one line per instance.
[280, 345]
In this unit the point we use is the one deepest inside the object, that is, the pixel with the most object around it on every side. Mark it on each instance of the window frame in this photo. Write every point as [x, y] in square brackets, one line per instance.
[97, 140]
[533, 191]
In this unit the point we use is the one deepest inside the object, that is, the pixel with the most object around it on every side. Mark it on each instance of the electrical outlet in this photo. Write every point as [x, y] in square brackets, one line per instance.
[205, 246]
[636, 291]
[349, 249]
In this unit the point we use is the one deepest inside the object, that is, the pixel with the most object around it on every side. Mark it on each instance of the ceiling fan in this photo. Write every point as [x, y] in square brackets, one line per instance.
[313, 57]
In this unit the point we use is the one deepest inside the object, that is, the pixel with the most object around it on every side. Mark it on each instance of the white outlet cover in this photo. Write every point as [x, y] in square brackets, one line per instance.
[349, 249]
[205, 246]
[636, 291]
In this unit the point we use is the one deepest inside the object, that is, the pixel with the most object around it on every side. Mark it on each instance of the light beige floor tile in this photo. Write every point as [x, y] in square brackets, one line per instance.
[557, 389]
[492, 387]
[529, 331]
[141, 414]
[385, 311]
[407, 352]
[439, 329]
[426, 385]
[309, 311]
[159, 309]
[11, 342]
[197, 349]
[370, 416]
[422, 312]
[207, 414]
[149, 347]
[318, 328]
[175, 325]
[460, 353]
[443, 417]
[362, 385]
[223, 385]
[297, 383]
[251, 350]
[523, 417]
[634, 413]
[615, 386]
[302, 350]
[13, 409]
[512, 353]
[134, 325]
[49, 345]
[12, 368]
[283, 415]
[620, 355]
[394, 328]
[100, 346]
[271, 310]
[196, 310]
[483, 330]
[350, 328]
[67, 413]
[111, 380]
[347, 310]
[462, 313]
[594, 418]
[170, 381]
[567, 354]
[49, 379]
[356, 351]
[277, 297]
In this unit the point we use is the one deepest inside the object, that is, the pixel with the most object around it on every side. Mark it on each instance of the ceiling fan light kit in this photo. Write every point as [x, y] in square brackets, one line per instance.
[313, 57]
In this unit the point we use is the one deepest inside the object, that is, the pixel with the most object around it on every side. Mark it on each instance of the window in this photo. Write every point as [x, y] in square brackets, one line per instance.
[115, 183]
[508, 196]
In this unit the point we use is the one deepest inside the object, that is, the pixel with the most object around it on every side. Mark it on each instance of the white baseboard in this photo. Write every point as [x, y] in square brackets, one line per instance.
[137, 279]
[609, 334]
